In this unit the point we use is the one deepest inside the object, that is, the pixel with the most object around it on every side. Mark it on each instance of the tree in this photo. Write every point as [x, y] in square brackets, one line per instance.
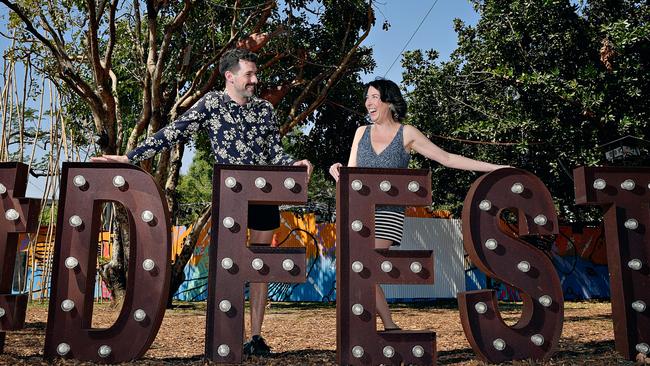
[195, 189]
[329, 136]
[537, 85]
[131, 68]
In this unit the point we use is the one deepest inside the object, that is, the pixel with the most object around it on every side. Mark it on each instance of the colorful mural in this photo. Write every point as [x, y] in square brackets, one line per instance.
[580, 259]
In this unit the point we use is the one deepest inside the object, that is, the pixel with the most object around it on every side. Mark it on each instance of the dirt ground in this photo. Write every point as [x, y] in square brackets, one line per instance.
[305, 334]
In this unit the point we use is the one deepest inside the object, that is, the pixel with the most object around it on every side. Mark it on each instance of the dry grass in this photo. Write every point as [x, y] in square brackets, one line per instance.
[305, 334]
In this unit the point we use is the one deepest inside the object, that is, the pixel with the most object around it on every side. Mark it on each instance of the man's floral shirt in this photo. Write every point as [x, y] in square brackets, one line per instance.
[247, 134]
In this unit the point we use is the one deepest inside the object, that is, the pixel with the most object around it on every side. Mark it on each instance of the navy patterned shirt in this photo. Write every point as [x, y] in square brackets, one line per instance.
[239, 134]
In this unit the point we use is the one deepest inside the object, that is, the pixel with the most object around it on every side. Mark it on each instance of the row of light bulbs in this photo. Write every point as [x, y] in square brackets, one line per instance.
[147, 264]
[544, 300]
[634, 264]
[257, 264]
[628, 184]
[104, 350]
[413, 186]
[260, 182]
[386, 266]
[81, 182]
[385, 185]
[10, 214]
[76, 221]
[388, 351]
[357, 351]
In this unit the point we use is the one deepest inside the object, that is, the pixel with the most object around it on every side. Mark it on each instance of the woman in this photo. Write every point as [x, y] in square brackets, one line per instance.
[387, 143]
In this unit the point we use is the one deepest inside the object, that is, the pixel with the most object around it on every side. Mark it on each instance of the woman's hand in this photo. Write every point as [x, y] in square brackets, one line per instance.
[334, 171]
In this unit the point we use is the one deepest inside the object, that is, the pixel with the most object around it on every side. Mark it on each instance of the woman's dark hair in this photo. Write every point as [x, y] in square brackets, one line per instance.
[389, 93]
[230, 59]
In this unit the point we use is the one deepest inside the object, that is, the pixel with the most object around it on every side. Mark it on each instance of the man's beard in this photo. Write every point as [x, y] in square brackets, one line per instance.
[249, 90]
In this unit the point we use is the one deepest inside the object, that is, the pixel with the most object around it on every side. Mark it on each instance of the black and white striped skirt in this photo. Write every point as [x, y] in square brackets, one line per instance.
[389, 225]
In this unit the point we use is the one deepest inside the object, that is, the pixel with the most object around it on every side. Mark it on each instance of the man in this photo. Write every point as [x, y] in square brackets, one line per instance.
[243, 130]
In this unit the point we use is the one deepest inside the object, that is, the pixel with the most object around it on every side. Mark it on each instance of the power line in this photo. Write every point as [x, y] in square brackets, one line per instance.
[335, 104]
[412, 35]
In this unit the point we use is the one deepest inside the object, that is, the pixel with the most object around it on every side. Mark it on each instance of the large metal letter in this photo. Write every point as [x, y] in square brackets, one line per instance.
[84, 188]
[360, 267]
[502, 256]
[232, 263]
[624, 194]
[20, 216]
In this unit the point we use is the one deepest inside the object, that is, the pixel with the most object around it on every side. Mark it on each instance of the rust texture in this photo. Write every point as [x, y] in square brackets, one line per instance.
[624, 195]
[19, 215]
[231, 261]
[513, 261]
[359, 332]
[69, 331]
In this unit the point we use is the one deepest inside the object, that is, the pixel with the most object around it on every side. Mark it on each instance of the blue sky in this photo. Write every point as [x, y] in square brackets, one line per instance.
[436, 32]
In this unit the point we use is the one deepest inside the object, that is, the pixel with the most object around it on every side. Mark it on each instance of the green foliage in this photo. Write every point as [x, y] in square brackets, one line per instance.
[329, 136]
[541, 84]
[48, 214]
[195, 189]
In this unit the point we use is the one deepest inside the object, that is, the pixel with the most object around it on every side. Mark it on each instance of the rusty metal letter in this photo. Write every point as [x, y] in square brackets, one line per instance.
[20, 215]
[84, 188]
[502, 255]
[232, 263]
[624, 194]
[360, 267]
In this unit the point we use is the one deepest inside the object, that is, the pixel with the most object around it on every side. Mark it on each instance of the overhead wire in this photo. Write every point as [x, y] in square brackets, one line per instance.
[412, 35]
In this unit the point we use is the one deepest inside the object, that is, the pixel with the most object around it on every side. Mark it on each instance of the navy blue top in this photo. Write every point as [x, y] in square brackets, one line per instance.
[239, 134]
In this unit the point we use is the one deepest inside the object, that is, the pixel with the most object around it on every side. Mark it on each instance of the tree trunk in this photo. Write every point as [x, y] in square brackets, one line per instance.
[173, 176]
[114, 272]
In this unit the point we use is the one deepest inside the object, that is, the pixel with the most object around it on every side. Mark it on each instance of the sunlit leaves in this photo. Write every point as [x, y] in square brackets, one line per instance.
[528, 82]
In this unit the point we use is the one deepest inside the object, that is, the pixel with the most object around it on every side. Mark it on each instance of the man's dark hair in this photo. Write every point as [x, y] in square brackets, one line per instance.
[389, 93]
[230, 59]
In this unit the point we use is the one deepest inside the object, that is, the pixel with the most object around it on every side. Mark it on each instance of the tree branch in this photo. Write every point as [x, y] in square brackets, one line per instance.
[234, 19]
[93, 43]
[138, 30]
[100, 9]
[192, 95]
[108, 57]
[67, 73]
[31, 29]
[330, 82]
[164, 47]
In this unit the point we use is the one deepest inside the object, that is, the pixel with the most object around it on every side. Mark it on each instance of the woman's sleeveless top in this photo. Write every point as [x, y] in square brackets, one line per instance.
[393, 156]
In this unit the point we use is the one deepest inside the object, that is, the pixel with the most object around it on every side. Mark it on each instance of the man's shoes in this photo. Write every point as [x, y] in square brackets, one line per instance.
[256, 347]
